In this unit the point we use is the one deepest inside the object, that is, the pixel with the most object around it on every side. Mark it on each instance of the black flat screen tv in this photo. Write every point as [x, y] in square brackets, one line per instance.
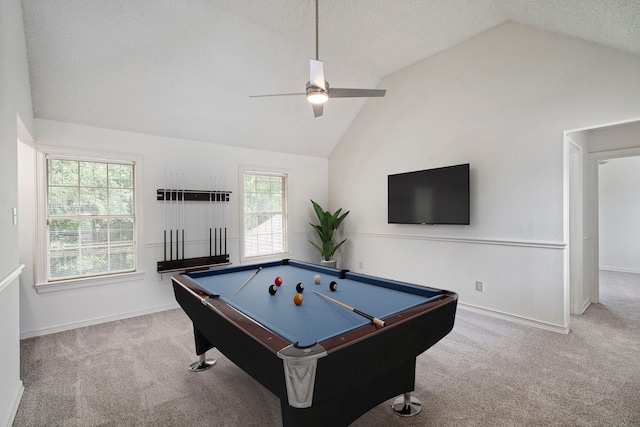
[432, 196]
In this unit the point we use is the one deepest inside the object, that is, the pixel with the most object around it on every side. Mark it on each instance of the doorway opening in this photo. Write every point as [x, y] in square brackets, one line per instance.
[586, 150]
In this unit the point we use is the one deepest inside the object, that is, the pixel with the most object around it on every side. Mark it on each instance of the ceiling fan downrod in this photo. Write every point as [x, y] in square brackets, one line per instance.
[317, 43]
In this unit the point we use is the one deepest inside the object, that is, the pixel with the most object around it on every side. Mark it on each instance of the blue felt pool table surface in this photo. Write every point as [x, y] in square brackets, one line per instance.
[316, 319]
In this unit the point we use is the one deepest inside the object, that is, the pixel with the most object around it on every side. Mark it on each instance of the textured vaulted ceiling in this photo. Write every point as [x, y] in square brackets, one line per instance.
[185, 68]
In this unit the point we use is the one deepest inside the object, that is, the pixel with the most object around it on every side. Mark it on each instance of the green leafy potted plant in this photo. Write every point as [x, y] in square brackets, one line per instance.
[329, 223]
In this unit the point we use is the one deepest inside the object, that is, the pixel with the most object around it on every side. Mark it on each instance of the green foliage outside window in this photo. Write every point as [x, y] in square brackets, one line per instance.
[90, 209]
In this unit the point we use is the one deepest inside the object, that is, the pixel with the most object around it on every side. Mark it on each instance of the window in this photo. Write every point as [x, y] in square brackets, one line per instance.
[90, 217]
[264, 216]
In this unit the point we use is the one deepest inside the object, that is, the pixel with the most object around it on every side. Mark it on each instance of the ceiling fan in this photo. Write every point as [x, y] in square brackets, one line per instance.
[318, 91]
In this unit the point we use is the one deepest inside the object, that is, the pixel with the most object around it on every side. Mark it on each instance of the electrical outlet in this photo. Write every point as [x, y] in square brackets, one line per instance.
[479, 286]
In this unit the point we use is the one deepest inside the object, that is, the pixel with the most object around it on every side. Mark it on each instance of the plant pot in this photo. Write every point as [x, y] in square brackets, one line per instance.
[331, 263]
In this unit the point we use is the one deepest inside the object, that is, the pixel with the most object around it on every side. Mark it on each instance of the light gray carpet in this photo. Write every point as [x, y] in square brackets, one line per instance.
[486, 372]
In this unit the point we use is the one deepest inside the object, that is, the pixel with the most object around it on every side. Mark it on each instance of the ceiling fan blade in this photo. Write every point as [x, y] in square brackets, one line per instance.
[317, 109]
[277, 94]
[316, 73]
[337, 92]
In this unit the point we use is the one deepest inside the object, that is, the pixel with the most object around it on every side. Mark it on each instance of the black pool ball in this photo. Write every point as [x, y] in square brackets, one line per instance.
[333, 286]
[299, 287]
[273, 289]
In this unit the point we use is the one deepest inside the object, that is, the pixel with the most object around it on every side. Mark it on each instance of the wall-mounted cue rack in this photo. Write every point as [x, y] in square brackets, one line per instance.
[194, 195]
[174, 218]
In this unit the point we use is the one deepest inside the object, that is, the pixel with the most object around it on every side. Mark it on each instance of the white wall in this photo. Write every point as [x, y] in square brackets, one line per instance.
[501, 102]
[15, 101]
[49, 312]
[619, 214]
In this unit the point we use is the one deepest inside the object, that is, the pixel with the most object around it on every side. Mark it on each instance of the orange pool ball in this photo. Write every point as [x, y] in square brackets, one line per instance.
[297, 299]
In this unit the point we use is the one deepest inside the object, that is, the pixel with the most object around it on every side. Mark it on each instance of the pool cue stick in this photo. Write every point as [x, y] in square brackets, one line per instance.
[214, 222]
[219, 196]
[218, 216]
[183, 213]
[175, 211]
[210, 187]
[177, 222]
[218, 233]
[355, 310]
[171, 216]
[177, 216]
[215, 213]
[164, 217]
[224, 215]
[210, 215]
[248, 280]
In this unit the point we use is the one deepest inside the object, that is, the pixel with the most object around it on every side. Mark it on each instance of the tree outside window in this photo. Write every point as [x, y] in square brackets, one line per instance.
[90, 218]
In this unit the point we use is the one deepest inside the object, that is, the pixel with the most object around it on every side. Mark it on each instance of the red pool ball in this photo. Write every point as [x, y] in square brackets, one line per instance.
[278, 281]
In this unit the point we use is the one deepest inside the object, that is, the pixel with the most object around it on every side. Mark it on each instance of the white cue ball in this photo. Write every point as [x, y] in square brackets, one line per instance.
[316, 278]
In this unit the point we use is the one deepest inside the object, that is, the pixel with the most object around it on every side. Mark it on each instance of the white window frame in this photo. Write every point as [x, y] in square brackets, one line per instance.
[42, 233]
[242, 169]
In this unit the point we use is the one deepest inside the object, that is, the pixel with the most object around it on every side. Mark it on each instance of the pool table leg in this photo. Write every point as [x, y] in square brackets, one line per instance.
[407, 405]
[202, 364]
[202, 346]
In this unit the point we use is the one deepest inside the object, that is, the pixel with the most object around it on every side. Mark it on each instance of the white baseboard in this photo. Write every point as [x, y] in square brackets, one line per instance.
[13, 406]
[517, 319]
[95, 321]
[620, 269]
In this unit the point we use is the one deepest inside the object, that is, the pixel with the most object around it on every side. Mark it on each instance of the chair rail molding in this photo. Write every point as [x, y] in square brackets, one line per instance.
[476, 241]
[6, 280]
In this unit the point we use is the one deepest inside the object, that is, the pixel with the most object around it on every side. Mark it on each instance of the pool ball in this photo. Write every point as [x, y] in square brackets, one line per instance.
[278, 281]
[333, 286]
[299, 287]
[297, 299]
[273, 289]
[316, 279]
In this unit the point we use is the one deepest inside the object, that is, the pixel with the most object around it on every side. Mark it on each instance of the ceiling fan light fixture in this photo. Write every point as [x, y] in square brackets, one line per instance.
[319, 97]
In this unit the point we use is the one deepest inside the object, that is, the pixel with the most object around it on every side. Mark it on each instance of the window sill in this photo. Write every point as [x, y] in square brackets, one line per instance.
[265, 258]
[64, 285]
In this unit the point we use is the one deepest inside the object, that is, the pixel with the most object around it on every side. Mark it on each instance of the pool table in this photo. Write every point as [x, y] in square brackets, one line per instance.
[327, 364]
